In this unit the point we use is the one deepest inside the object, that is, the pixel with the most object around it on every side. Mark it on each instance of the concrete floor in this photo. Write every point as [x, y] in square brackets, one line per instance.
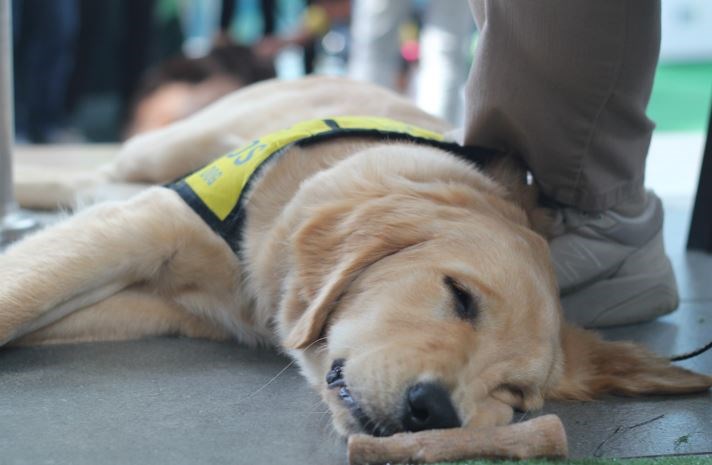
[179, 401]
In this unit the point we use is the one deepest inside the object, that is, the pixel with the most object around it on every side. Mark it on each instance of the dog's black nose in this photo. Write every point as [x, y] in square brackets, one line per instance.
[428, 406]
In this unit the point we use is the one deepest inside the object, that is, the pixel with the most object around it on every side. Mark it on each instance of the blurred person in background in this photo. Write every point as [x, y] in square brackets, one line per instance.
[44, 38]
[268, 13]
[443, 51]
[116, 41]
[102, 70]
[318, 18]
[180, 86]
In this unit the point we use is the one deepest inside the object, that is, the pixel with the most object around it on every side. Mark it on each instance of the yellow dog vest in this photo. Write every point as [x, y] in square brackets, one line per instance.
[216, 191]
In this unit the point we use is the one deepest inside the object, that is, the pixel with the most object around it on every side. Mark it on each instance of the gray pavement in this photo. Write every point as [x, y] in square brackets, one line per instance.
[179, 401]
[156, 401]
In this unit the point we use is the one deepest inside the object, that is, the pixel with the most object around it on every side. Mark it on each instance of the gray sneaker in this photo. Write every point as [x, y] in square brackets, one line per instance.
[612, 269]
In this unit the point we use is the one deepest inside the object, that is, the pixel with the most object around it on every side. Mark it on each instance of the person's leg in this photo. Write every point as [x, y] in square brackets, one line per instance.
[227, 13]
[19, 73]
[65, 15]
[269, 16]
[374, 35]
[46, 63]
[564, 84]
[445, 41]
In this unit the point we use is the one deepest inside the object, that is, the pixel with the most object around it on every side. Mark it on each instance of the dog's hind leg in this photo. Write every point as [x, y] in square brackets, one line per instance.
[133, 313]
[153, 238]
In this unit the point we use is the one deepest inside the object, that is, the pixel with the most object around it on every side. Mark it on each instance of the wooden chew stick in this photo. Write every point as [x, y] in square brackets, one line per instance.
[542, 437]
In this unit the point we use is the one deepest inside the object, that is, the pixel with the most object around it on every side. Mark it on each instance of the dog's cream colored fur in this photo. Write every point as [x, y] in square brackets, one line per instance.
[346, 249]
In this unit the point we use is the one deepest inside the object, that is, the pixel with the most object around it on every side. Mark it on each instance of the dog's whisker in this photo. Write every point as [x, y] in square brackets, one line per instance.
[317, 341]
[264, 386]
[331, 428]
[318, 403]
[322, 349]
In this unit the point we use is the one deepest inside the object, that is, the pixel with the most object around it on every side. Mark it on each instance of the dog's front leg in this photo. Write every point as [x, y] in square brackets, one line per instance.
[169, 153]
[95, 254]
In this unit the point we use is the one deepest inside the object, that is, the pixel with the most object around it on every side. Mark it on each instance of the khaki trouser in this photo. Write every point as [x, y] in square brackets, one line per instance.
[565, 84]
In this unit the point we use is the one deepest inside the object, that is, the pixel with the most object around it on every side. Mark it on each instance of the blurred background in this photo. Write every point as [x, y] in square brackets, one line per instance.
[101, 71]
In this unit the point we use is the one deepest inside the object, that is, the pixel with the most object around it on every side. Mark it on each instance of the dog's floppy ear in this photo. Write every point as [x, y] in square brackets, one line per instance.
[333, 248]
[594, 367]
[311, 323]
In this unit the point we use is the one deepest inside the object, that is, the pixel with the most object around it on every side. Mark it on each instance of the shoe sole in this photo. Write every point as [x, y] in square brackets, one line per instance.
[642, 289]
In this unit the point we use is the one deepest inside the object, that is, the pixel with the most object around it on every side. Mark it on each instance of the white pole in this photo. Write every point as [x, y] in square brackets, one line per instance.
[12, 222]
[6, 108]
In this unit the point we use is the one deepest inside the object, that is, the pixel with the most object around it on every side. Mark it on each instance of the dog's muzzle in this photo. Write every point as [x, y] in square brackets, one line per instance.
[426, 406]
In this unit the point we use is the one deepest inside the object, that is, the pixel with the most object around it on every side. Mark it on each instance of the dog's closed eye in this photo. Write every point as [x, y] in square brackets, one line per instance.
[466, 305]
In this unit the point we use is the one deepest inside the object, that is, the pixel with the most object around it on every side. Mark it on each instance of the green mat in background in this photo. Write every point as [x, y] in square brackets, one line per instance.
[681, 97]
[669, 460]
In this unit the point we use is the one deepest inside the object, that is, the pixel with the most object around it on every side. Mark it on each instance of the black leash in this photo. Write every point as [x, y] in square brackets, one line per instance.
[694, 353]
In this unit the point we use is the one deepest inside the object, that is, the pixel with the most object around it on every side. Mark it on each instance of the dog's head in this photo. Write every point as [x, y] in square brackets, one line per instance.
[436, 306]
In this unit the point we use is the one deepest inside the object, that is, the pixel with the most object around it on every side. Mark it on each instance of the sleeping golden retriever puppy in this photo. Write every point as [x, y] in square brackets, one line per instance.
[408, 284]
